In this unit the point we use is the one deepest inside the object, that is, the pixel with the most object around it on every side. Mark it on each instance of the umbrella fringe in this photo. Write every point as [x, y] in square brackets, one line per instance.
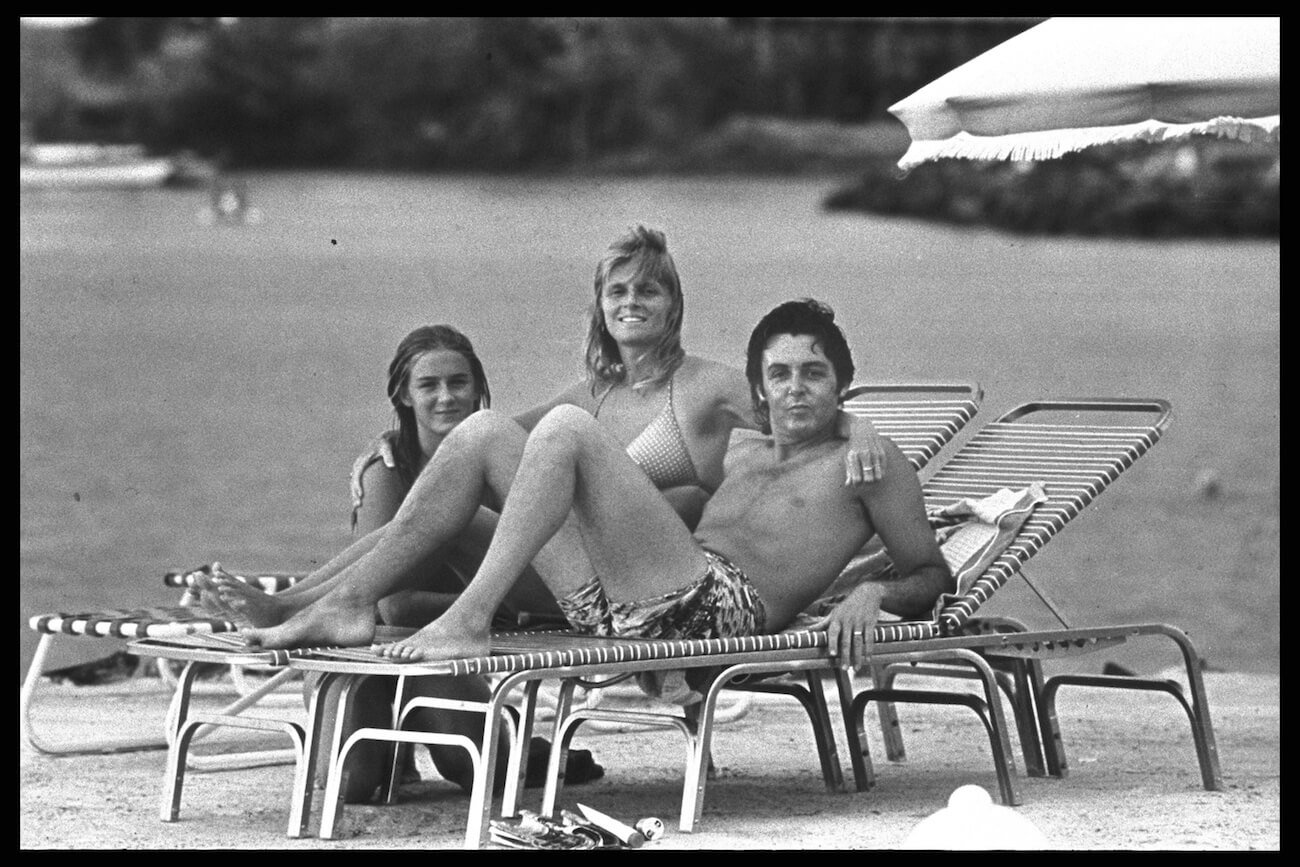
[1050, 144]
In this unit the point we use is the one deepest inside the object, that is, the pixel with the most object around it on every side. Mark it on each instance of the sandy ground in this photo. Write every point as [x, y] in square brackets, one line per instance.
[1133, 782]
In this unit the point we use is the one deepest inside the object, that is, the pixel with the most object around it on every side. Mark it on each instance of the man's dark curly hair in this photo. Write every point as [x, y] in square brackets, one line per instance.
[803, 316]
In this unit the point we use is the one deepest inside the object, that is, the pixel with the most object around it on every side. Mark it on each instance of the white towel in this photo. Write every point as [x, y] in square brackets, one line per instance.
[971, 535]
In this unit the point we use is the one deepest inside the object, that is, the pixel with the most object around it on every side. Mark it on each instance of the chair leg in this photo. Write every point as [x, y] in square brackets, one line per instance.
[254, 758]
[332, 801]
[482, 754]
[179, 736]
[517, 762]
[480, 800]
[1207, 750]
[890, 728]
[304, 786]
[988, 709]
[568, 719]
[334, 794]
[184, 727]
[1021, 681]
[1049, 726]
[996, 724]
[812, 697]
[824, 734]
[1023, 702]
[1039, 732]
[692, 713]
[699, 758]
[560, 735]
[27, 698]
[864, 776]
[400, 751]
[1197, 709]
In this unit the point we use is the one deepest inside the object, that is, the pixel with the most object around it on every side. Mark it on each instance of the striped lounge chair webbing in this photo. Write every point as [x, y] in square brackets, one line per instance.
[269, 582]
[1074, 462]
[516, 651]
[225, 648]
[236, 648]
[920, 424]
[132, 623]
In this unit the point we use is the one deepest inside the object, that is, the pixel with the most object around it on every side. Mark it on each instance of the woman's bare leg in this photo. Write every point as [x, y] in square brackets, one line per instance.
[474, 466]
[529, 594]
[258, 608]
[577, 497]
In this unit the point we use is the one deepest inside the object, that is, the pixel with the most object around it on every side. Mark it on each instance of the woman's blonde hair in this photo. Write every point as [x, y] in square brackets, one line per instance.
[649, 248]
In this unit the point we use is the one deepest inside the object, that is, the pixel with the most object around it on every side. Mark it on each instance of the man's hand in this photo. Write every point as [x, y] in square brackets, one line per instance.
[864, 461]
[850, 625]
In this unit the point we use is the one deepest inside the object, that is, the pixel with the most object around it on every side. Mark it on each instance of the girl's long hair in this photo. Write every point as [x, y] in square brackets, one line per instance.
[422, 340]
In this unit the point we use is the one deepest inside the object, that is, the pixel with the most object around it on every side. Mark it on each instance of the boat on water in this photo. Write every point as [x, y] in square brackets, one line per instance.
[84, 166]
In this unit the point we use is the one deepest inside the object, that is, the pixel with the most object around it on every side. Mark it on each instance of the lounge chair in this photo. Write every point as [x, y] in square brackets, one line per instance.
[525, 660]
[117, 625]
[1078, 459]
[1075, 459]
[183, 723]
[920, 417]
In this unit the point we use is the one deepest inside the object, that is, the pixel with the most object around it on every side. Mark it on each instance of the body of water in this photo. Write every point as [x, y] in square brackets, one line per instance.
[192, 392]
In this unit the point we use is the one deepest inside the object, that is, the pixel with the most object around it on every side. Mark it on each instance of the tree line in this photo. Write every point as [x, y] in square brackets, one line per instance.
[469, 93]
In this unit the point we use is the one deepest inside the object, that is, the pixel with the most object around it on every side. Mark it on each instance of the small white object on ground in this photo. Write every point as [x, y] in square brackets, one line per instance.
[651, 828]
[972, 821]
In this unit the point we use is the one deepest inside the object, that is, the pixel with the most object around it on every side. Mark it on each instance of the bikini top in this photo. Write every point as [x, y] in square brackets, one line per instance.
[660, 449]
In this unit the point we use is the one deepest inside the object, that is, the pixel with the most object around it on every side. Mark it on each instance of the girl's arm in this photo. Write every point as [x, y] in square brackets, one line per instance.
[377, 495]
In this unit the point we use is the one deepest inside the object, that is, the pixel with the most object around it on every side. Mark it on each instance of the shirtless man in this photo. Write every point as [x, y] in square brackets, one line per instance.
[775, 534]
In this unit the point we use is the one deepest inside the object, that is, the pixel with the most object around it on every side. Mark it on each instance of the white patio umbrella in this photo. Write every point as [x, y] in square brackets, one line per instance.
[1072, 83]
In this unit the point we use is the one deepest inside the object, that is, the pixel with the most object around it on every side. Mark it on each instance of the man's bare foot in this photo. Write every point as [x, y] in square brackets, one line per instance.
[438, 640]
[247, 605]
[330, 621]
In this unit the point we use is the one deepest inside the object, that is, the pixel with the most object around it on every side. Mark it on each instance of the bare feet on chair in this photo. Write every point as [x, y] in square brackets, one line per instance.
[206, 588]
[330, 621]
[247, 605]
[438, 640]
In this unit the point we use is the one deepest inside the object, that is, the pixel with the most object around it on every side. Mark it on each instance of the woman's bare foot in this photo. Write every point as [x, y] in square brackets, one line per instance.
[204, 590]
[331, 621]
[441, 639]
[247, 605]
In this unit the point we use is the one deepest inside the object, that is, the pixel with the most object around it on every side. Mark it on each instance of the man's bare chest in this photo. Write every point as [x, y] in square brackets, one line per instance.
[796, 490]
